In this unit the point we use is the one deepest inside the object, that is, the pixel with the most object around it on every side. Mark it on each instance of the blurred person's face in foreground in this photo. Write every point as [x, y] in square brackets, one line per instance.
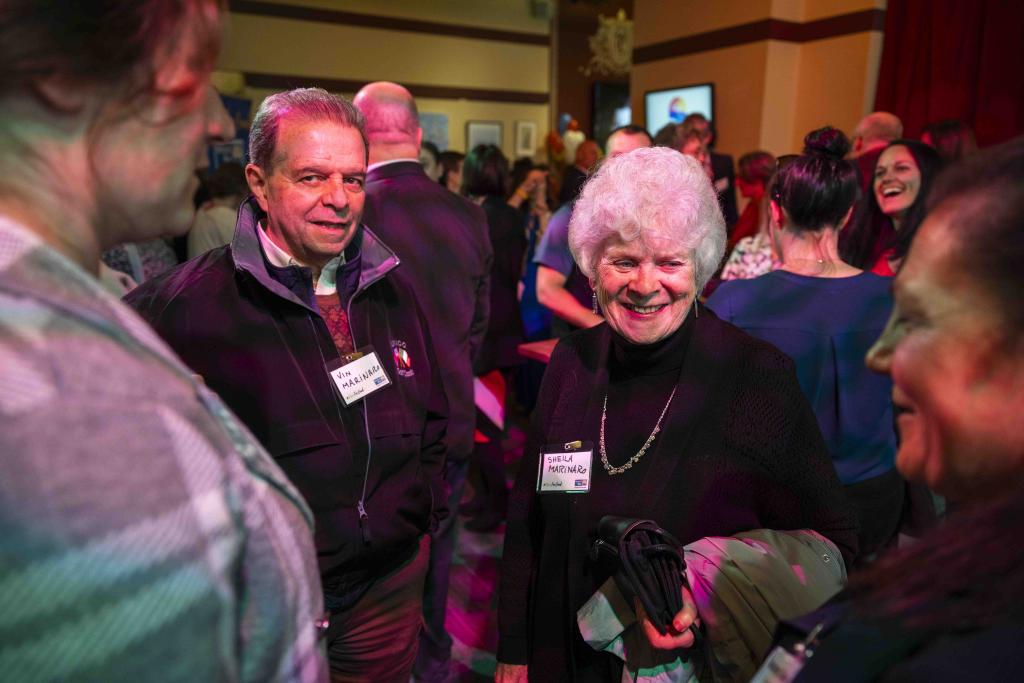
[313, 194]
[645, 287]
[146, 153]
[954, 373]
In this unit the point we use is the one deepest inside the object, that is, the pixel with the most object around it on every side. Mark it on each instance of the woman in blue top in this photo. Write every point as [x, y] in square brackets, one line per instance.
[825, 314]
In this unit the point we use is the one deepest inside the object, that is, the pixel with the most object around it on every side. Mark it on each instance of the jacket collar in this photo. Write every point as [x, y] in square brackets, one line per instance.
[398, 168]
[376, 258]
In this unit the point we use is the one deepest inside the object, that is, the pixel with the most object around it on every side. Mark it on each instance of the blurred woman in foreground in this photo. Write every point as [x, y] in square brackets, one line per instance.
[146, 534]
[950, 607]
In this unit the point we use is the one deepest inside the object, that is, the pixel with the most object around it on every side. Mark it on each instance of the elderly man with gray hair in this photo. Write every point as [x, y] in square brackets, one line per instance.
[302, 328]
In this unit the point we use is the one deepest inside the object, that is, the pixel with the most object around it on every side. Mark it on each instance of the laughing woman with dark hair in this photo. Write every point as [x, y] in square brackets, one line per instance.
[886, 220]
[825, 314]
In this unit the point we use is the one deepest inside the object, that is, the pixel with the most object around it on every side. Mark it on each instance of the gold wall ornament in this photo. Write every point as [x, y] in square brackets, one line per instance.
[611, 47]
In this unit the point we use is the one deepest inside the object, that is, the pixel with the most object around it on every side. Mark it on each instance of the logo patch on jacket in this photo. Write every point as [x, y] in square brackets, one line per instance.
[403, 363]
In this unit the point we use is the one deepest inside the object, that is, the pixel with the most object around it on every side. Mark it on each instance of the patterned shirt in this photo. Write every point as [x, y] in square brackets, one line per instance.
[145, 534]
[752, 257]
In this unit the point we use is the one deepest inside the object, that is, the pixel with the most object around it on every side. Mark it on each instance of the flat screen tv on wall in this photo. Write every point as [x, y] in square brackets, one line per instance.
[674, 104]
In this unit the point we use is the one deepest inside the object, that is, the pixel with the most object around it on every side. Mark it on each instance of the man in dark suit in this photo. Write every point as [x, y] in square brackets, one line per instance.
[443, 244]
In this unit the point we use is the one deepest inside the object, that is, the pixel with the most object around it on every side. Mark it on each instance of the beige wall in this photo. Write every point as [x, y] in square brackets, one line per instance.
[331, 51]
[768, 94]
[738, 75]
[656, 21]
[460, 111]
[506, 15]
[833, 84]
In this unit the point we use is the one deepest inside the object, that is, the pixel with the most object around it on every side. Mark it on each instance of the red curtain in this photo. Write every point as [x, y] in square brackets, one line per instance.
[954, 59]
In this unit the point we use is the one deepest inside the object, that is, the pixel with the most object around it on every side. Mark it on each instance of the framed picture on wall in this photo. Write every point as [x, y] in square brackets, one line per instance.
[526, 138]
[482, 133]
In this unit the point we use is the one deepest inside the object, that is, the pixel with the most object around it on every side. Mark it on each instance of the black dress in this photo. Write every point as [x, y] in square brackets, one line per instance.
[739, 449]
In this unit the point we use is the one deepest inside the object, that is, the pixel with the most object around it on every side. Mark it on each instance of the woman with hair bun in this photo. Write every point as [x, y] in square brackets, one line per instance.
[825, 314]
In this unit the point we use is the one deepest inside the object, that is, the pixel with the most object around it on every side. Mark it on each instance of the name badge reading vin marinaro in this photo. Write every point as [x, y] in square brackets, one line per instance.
[565, 467]
[360, 375]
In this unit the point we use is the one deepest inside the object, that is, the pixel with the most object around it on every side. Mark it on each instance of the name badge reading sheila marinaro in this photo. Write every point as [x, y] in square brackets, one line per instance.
[565, 467]
[360, 374]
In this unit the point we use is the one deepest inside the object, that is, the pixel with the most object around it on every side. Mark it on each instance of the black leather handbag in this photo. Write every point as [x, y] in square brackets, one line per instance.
[649, 566]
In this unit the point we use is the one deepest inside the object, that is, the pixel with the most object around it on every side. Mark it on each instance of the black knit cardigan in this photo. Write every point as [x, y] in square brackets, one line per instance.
[740, 449]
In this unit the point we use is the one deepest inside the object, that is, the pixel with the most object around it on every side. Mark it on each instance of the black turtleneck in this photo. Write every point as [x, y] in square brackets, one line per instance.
[640, 380]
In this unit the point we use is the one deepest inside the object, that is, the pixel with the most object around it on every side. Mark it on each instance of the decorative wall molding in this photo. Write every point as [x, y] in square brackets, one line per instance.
[441, 92]
[328, 16]
[767, 29]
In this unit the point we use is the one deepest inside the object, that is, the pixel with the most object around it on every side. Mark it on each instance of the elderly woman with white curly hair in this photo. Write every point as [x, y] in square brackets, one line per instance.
[688, 421]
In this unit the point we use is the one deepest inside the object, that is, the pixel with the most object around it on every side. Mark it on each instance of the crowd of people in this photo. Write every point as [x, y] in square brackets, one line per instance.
[244, 461]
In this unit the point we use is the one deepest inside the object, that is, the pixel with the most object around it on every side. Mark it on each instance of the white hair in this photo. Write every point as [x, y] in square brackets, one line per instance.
[653, 191]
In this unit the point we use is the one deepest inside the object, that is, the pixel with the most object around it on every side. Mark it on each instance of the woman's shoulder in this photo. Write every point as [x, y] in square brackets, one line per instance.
[741, 288]
[872, 281]
[745, 300]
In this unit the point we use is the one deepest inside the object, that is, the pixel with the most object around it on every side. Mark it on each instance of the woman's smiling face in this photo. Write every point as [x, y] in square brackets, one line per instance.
[956, 381]
[897, 181]
[645, 287]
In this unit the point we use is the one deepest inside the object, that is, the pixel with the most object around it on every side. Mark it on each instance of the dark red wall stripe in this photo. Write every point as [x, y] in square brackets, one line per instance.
[287, 81]
[327, 16]
[767, 29]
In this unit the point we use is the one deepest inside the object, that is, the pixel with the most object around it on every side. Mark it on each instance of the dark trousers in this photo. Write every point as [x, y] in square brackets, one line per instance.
[433, 659]
[375, 640]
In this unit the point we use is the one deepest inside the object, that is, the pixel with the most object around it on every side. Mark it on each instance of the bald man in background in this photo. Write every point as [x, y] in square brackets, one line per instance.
[872, 134]
[445, 250]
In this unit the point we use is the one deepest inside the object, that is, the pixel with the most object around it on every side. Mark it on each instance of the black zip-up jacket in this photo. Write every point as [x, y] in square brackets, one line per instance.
[255, 334]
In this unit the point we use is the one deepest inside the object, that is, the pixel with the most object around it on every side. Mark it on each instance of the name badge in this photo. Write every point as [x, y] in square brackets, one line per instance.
[565, 468]
[360, 375]
[782, 666]
[779, 667]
